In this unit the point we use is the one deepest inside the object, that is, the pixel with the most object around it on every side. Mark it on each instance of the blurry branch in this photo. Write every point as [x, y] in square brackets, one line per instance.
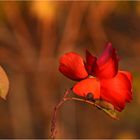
[48, 39]
[9, 58]
[72, 27]
[27, 56]
[26, 46]
[97, 13]
[15, 19]
[6, 37]
[21, 114]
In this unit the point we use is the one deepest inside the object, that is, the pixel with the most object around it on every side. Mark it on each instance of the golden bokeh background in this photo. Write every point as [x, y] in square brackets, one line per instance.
[33, 35]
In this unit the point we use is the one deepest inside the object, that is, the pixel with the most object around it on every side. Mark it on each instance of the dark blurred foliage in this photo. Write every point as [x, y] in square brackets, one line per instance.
[33, 35]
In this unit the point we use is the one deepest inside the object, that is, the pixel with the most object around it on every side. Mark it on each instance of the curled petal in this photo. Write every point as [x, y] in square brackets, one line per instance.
[90, 62]
[89, 85]
[107, 63]
[117, 90]
[72, 66]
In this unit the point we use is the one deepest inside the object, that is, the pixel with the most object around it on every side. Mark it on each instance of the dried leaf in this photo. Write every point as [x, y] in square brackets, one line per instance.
[111, 113]
[105, 104]
[108, 108]
[4, 83]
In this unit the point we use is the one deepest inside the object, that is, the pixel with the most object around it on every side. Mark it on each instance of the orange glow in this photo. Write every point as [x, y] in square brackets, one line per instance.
[44, 10]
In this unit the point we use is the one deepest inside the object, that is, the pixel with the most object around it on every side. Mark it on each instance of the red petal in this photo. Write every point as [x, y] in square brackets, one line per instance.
[117, 90]
[90, 85]
[107, 63]
[90, 62]
[72, 66]
[128, 75]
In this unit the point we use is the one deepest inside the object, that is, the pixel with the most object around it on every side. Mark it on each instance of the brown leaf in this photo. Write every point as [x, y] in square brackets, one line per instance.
[108, 108]
[112, 114]
[105, 104]
[4, 83]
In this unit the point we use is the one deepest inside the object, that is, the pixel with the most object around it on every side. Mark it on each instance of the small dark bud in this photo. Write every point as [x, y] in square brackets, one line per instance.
[90, 97]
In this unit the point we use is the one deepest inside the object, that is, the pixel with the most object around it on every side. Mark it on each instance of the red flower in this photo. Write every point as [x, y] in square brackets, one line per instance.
[100, 77]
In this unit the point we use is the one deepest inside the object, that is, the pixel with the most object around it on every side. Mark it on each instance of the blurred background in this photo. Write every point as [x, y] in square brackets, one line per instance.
[33, 35]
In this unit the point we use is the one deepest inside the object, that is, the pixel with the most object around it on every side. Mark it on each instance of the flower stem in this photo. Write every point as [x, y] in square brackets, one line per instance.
[54, 115]
[53, 121]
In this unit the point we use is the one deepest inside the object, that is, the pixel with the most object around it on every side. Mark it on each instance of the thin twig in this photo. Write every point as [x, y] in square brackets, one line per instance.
[53, 122]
